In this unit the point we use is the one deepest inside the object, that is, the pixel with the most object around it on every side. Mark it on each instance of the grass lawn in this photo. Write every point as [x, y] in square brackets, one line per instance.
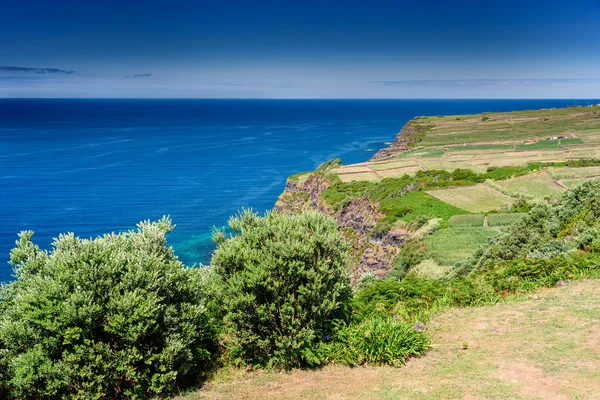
[456, 244]
[537, 186]
[544, 347]
[478, 198]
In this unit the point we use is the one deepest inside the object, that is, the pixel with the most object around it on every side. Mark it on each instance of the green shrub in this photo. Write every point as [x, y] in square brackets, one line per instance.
[378, 340]
[405, 297]
[413, 251]
[379, 296]
[114, 317]
[365, 280]
[284, 283]
[428, 269]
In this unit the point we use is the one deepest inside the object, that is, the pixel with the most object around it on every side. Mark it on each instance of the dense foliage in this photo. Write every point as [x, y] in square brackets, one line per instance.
[548, 244]
[114, 317]
[379, 339]
[284, 283]
[546, 231]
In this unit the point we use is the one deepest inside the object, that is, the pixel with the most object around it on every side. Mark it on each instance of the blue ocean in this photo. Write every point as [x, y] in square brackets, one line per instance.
[99, 166]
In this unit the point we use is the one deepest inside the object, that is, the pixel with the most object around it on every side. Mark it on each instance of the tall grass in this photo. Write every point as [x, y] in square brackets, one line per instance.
[379, 340]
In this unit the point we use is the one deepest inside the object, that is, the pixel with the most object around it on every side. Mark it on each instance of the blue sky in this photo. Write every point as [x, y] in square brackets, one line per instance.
[300, 49]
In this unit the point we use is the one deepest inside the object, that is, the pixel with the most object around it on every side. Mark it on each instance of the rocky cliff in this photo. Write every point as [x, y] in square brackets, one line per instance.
[410, 134]
[356, 220]
[370, 253]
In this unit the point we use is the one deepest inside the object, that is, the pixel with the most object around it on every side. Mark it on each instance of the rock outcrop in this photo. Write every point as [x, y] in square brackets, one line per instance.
[357, 218]
[410, 134]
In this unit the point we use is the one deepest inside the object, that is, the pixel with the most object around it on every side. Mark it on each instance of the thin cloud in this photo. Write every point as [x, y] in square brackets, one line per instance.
[480, 82]
[139, 76]
[21, 80]
[229, 84]
[10, 68]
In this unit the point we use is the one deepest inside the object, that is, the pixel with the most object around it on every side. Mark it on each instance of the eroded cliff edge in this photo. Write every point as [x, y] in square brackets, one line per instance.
[373, 250]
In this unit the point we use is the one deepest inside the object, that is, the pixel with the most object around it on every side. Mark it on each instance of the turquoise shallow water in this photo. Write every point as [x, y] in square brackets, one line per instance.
[97, 166]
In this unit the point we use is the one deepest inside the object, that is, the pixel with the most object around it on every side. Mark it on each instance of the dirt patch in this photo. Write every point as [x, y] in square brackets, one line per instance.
[531, 380]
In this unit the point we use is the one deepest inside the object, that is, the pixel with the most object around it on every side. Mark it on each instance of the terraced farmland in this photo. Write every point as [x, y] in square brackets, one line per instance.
[536, 186]
[475, 199]
[451, 245]
[480, 141]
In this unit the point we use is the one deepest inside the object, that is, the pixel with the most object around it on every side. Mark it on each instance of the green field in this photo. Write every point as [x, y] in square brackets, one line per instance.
[571, 183]
[478, 198]
[463, 221]
[495, 220]
[536, 186]
[451, 245]
[497, 139]
[539, 145]
[414, 204]
[568, 173]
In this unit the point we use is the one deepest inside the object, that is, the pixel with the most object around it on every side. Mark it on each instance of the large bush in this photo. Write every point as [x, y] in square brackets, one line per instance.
[284, 283]
[114, 317]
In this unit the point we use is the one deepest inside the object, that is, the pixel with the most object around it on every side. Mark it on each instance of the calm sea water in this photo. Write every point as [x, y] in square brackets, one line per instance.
[97, 166]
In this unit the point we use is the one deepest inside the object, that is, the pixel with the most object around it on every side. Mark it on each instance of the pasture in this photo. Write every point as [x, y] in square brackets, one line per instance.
[535, 186]
[569, 173]
[450, 245]
[571, 183]
[499, 220]
[476, 199]
[480, 141]
[463, 221]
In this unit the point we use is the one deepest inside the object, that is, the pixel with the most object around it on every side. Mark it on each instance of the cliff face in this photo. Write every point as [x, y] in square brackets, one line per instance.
[357, 218]
[410, 134]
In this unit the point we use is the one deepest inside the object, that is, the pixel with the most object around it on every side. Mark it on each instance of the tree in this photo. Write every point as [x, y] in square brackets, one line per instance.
[114, 317]
[284, 284]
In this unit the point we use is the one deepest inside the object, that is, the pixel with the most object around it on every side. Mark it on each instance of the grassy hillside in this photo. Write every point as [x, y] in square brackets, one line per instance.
[490, 164]
[480, 141]
[543, 347]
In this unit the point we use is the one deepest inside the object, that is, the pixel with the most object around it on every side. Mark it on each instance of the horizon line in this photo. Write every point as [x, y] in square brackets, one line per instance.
[302, 98]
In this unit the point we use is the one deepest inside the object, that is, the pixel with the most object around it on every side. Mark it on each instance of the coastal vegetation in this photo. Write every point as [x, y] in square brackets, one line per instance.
[283, 285]
[543, 346]
[114, 317]
[343, 272]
